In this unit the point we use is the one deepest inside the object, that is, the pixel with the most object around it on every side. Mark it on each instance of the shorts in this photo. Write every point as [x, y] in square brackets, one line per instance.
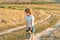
[33, 29]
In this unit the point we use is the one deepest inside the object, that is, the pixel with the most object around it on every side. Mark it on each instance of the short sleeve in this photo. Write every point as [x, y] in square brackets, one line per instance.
[32, 17]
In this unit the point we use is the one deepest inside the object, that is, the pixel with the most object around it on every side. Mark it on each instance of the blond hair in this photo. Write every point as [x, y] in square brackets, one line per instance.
[28, 10]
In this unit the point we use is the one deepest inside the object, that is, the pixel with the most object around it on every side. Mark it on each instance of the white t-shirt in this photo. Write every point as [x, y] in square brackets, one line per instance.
[30, 19]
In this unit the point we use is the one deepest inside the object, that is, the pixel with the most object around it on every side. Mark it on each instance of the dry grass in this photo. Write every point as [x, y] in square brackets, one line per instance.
[10, 18]
[9, 14]
[21, 34]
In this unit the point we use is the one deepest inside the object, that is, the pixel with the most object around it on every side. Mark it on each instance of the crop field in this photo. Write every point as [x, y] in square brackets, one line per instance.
[12, 15]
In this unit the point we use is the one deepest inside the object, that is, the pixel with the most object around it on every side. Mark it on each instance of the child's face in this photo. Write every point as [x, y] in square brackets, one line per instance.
[28, 14]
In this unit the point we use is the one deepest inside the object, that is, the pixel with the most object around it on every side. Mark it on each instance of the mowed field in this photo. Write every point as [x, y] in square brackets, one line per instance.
[12, 15]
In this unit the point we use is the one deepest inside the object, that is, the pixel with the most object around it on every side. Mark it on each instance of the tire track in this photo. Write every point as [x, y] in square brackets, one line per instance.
[48, 31]
[18, 28]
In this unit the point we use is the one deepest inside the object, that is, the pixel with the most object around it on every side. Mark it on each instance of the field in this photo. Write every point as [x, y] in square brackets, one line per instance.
[12, 15]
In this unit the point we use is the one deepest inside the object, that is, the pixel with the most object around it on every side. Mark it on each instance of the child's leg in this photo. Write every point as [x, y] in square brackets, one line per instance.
[27, 36]
[33, 36]
[33, 31]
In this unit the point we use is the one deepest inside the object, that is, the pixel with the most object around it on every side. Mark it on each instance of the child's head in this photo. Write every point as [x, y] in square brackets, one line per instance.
[28, 11]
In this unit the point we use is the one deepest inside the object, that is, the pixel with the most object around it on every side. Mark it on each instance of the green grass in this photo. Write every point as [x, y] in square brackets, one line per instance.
[46, 8]
[22, 7]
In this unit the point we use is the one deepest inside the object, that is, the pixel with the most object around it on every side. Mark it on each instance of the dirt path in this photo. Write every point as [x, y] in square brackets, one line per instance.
[18, 28]
[48, 31]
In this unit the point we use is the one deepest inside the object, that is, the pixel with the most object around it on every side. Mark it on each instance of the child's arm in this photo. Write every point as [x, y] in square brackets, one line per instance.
[31, 24]
[26, 24]
[31, 21]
